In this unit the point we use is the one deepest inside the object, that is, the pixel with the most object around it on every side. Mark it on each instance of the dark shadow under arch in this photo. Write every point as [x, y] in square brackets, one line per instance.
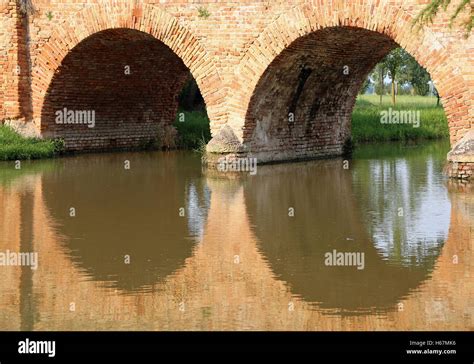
[127, 79]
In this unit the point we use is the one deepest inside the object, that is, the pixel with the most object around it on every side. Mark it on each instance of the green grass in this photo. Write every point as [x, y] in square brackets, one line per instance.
[15, 147]
[193, 131]
[366, 125]
[403, 100]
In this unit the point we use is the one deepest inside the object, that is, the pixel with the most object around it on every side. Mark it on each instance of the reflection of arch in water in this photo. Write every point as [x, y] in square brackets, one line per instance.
[246, 294]
[120, 213]
[327, 217]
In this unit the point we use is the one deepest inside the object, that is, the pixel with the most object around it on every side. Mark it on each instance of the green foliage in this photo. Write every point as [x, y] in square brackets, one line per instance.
[58, 145]
[13, 146]
[419, 80]
[396, 63]
[378, 75]
[428, 14]
[193, 131]
[366, 125]
[203, 12]
[415, 75]
[401, 67]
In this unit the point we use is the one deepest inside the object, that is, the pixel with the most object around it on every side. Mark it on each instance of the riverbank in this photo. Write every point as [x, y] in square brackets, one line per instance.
[193, 128]
[367, 119]
[367, 123]
[13, 146]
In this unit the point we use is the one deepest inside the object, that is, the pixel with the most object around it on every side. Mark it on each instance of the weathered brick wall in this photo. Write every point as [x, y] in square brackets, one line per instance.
[229, 52]
[7, 32]
[15, 94]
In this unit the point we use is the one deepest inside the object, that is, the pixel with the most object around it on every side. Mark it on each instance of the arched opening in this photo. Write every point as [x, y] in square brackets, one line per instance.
[399, 101]
[302, 108]
[117, 89]
[192, 122]
[302, 105]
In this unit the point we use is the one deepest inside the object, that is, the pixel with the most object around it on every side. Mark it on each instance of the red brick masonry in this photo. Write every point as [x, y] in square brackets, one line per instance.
[463, 171]
[282, 75]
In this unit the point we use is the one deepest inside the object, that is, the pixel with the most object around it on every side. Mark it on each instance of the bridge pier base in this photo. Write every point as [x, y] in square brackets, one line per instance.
[461, 159]
[223, 146]
[24, 127]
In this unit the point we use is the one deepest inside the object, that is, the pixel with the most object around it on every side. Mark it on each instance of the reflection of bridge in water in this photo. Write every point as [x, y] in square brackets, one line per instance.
[218, 293]
[328, 218]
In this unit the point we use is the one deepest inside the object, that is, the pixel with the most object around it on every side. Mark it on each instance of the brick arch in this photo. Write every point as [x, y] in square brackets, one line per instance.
[148, 19]
[388, 19]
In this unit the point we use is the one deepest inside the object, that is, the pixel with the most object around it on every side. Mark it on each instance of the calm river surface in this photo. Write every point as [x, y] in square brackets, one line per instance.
[164, 246]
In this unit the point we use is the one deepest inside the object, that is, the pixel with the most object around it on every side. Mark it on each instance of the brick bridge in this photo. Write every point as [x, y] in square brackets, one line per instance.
[279, 78]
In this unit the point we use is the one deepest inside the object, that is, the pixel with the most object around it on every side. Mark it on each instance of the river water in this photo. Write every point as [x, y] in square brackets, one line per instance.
[148, 241]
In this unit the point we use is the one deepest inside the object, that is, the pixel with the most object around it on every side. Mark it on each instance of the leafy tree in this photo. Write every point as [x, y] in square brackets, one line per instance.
[378, 75]
[396, 63]
[401, 67]
[415, 75]
[419, 79]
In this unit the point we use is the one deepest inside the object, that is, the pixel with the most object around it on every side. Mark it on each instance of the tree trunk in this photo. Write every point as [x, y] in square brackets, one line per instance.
[393, 92]
[381, 85]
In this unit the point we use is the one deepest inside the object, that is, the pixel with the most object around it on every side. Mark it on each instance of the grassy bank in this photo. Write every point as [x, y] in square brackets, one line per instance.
[193, 131]
[367, 127]
[13, 146]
